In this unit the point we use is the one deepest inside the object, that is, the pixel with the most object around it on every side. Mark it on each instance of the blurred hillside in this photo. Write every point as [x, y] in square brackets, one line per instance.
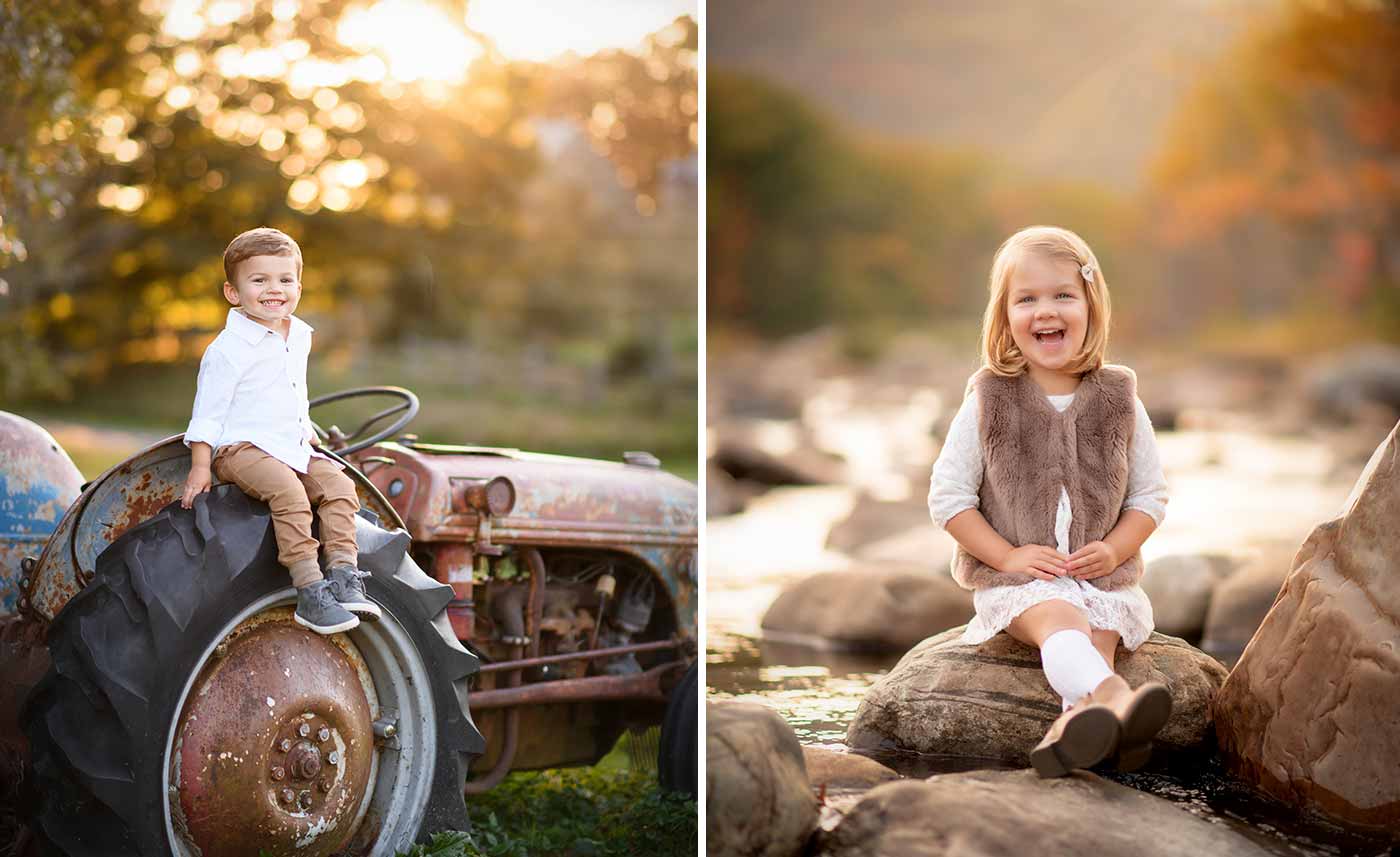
[1265, 217]
[1077, 89]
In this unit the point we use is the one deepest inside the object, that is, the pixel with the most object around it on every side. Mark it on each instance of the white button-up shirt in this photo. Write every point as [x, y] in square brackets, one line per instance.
[252, 387]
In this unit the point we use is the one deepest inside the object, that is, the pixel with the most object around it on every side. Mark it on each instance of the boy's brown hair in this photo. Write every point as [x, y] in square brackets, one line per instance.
[263, 241]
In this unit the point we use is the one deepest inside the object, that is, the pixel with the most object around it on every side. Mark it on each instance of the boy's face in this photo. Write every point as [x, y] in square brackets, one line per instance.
[267, 289]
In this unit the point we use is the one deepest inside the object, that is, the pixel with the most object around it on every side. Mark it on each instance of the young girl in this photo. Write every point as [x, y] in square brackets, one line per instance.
[1050, 482]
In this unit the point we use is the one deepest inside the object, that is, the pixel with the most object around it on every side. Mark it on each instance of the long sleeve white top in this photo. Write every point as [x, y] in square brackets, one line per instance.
[957, 474]
[252, 387]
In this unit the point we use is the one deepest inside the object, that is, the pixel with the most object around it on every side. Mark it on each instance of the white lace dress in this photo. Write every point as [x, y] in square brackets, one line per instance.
[957, 478]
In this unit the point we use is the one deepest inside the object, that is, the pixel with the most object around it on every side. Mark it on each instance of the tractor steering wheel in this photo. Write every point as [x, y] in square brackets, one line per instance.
[346, 444]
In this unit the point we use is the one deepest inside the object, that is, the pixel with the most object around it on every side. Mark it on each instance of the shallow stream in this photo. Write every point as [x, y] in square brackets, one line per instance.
[1230, 493]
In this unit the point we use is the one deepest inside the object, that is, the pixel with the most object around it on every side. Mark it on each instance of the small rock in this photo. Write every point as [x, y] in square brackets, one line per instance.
[773, 452]
[1309, 714]
[844, 771]
[1241, 601]
[1345, 387]
[871, 520]
[1180, 588]
[872, 608]
[992, 701]
[759, 801]
[987, 813]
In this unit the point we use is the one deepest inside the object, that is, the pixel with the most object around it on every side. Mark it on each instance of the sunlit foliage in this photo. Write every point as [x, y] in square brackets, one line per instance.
[395, 143]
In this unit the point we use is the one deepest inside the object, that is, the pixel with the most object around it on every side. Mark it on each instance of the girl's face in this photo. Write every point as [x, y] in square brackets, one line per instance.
[1048, 311]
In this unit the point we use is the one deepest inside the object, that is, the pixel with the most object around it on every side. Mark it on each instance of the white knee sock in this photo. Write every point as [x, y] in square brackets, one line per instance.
[1072, 665]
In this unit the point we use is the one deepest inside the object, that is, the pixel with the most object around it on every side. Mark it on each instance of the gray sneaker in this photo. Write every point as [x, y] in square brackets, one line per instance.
[317, 609]
[350, 592]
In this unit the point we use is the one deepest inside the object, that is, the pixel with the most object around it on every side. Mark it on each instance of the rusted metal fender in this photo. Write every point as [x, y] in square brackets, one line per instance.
[38, 482]
[124, 496]
[559, 501]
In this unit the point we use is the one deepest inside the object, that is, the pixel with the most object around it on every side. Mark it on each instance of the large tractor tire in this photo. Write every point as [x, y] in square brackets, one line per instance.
[185, 713]
[678, 765]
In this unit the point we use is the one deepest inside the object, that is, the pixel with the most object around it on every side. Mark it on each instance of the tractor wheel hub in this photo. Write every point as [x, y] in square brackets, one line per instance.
[275, 746]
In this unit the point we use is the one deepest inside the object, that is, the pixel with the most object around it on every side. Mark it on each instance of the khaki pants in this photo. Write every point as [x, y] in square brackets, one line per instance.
[290, 495]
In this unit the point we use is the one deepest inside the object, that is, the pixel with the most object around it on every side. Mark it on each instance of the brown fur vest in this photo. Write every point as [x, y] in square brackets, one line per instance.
[1030, 450]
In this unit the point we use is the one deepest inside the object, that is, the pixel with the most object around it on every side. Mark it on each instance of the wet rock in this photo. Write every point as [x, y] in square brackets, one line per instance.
[992, 701]
[1309, 713]
[986, 813]
[835, 771]
[725, 495]
[928, 545]
[1180, 587]
[1240, 602]
[1351, 384]
[773, 453]
[871, 521]
[868, 608]
[760, 803]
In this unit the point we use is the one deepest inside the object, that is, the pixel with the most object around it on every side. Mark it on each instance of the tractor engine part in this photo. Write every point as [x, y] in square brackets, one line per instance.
[630, 615]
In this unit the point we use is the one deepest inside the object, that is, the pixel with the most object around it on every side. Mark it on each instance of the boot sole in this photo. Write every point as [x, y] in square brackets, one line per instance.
[1087, 739]
[364, 608]
[327, 629]
[1145, 716]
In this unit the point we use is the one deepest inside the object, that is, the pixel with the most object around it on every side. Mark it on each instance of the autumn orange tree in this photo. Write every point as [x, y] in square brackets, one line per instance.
[1278, 186]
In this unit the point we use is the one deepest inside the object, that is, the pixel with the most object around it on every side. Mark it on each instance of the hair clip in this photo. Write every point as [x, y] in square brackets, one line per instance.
[1087, 272]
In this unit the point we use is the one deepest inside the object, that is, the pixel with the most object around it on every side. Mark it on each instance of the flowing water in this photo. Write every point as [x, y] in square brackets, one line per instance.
[1230, 492]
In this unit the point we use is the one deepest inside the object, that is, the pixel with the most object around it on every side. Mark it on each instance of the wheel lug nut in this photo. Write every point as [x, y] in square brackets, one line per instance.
[288, 796]
[278, 772]
[324, 734]
[303, 730]
[304, 800]
[285, 744]
[333, 757]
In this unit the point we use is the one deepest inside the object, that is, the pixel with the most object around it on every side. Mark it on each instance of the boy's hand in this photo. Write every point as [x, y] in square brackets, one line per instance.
[1036, 560]
[197, 483]
[1096, 559]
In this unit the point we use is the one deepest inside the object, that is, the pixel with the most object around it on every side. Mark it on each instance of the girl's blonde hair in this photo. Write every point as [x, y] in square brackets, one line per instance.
[999, 351]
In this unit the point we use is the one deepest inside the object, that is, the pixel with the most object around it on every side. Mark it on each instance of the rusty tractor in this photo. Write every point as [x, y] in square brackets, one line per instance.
[535, 607]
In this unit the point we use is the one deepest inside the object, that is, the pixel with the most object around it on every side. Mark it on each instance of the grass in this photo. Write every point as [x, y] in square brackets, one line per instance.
[613, 809]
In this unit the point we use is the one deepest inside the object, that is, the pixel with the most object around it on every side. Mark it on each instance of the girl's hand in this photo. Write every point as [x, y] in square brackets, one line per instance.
[197, 483]
[1036, 560]
[1096, 559]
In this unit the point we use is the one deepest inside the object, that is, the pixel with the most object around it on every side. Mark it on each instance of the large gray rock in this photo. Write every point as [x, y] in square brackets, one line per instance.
[992, 701]
[996, 813]
[1309, 714]
[1241, 601]
[871, 608]
[1180, 587]
[760, 803]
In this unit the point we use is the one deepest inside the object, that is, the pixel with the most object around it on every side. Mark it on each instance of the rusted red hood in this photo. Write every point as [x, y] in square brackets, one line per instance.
[558, 499]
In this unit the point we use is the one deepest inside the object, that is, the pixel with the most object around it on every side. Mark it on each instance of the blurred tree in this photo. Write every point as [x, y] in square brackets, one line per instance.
[1277, 187]
[400, 173]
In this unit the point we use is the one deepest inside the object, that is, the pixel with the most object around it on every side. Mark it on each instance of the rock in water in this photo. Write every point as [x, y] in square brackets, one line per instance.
[760, 803]
[1311, 713]
[1242, 600]
[1179, 587]
[995, 813]
[844, 771]
[992, 701]
[875, 608]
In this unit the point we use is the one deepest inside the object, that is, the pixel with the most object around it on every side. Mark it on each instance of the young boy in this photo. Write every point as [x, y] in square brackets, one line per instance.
[250, 415]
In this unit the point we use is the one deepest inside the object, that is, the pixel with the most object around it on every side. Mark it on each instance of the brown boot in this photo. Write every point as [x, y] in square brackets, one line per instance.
[1081, 737]
[1141, 714]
